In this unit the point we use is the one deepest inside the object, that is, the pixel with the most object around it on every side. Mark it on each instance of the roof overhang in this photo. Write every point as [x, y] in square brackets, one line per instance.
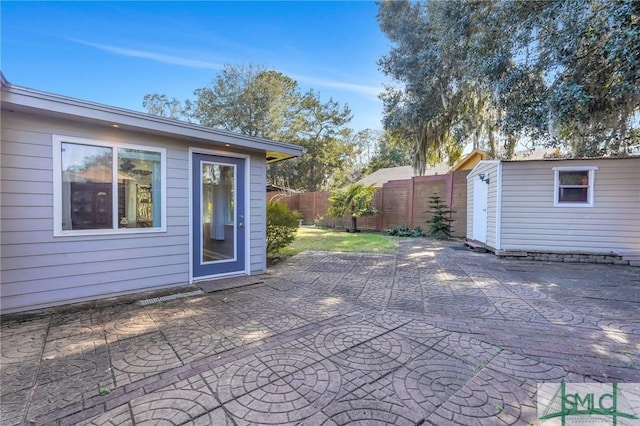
[469, 161]
[22, 99]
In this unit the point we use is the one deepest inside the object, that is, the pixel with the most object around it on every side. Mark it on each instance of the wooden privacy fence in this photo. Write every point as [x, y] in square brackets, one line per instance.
[401, 202]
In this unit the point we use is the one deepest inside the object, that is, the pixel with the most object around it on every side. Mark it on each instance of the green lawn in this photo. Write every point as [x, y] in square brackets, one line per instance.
[319, 239]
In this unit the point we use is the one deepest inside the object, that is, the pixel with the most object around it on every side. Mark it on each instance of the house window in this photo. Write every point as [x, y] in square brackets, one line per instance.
[102, 187]
[574, 186]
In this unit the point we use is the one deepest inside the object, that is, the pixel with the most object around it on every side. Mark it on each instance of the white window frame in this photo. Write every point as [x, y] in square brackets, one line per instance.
[590, 190]
[58, 140]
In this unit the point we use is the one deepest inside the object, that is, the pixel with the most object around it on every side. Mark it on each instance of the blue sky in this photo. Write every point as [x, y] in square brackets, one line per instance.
[117, 52]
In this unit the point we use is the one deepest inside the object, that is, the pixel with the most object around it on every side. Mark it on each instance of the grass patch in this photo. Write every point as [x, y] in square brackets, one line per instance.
[319, 239]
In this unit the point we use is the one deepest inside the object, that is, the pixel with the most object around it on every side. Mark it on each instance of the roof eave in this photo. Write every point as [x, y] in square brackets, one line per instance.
[548, 159]
[25, 99]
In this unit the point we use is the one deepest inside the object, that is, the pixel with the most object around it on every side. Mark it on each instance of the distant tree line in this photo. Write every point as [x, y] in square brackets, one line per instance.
[254, 101]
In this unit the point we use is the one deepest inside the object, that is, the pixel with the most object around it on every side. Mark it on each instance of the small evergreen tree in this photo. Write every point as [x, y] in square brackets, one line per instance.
[440, 221]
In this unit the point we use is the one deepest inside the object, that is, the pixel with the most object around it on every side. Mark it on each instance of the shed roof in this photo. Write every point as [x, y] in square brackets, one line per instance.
[587, 160]
[534, 154]
[18, 98]
[550, 154]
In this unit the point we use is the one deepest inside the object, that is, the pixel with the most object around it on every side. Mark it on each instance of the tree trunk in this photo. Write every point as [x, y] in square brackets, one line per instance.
[354, 224]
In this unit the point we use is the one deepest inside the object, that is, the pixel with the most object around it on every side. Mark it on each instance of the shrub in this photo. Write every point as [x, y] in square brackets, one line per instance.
[324, 222]
[405, 231]
[282, 225]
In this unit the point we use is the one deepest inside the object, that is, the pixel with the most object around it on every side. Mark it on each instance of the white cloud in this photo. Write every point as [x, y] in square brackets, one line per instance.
[167, 59]
[350, 87]
[196, 63]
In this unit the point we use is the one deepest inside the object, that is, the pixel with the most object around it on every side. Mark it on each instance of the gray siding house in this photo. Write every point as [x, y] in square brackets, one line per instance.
[589, 206]
[98, 201]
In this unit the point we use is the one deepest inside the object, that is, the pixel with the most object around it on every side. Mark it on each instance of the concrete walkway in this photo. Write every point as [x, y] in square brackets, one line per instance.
[435, 335]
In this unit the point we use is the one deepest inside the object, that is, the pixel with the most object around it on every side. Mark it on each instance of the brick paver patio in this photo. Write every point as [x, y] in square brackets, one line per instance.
[430, 336]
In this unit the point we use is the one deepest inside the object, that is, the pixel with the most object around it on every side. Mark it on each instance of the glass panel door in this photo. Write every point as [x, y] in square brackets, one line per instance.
[218, 215]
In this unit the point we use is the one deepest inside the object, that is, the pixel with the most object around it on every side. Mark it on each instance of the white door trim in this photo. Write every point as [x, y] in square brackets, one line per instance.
[247, 203]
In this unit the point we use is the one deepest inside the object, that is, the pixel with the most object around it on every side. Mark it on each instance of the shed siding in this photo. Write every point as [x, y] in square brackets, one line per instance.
[490, 168]
[531, 222]
[39, 270]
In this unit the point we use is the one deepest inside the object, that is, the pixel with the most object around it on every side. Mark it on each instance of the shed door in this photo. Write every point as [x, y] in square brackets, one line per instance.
[218, 218]
[480, 196]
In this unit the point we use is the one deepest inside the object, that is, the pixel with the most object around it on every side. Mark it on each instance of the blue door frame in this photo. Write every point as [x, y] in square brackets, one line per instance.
[201, 267]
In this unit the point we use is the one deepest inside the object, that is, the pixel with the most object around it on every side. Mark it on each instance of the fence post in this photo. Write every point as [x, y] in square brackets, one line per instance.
[451, 179]
[410, 197]
[380, 218]
[314, 213]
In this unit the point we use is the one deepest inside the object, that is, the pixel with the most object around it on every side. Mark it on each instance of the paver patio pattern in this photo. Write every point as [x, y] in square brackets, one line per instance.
[430, 336]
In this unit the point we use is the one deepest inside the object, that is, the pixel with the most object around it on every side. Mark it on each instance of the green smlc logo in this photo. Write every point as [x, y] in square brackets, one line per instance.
[613, 405]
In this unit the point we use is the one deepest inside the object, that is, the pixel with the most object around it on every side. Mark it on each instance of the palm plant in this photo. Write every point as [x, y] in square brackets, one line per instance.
[355, 201]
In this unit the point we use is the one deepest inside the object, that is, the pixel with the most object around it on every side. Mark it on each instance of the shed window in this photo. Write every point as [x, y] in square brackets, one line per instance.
[574, 186]
[102, 187]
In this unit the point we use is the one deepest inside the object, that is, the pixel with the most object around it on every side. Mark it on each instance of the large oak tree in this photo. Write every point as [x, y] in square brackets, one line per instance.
[499, 73]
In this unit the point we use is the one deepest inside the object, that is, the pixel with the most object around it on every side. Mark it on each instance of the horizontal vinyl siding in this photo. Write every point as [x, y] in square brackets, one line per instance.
[531, 222]
[492, 207]
[97, 246]
[257, 212]
[153, 278]
[106, 271]
[39, 270]
[85, 257]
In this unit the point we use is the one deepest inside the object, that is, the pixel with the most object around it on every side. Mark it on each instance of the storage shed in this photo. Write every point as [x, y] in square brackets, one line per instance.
[98, 201]
[557, 209]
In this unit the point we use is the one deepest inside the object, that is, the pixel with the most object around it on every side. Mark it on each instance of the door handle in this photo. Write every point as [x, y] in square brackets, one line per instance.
[240, 225]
